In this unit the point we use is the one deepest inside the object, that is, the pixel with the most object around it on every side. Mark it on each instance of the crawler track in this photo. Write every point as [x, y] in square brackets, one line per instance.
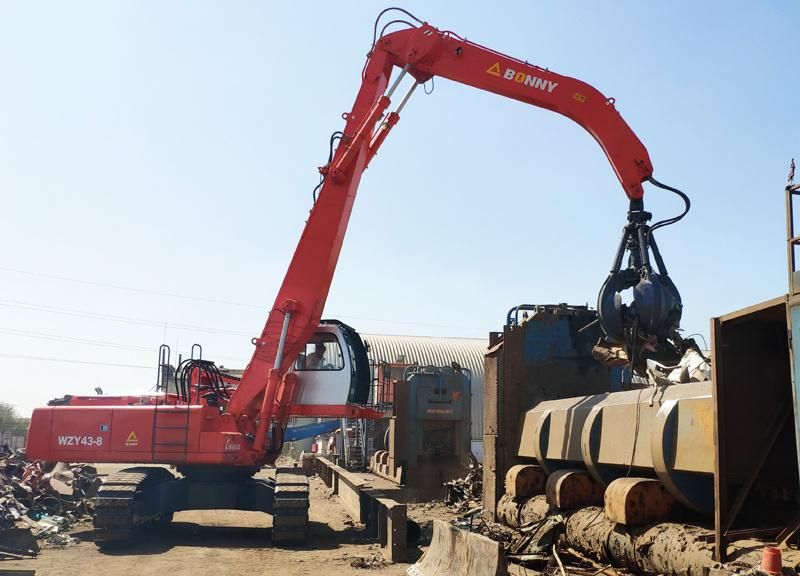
[120, 508]
[290, 510]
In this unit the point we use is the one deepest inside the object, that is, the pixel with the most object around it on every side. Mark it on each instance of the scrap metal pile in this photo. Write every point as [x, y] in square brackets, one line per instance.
[41, 501]
[587, 543]
[464, 493]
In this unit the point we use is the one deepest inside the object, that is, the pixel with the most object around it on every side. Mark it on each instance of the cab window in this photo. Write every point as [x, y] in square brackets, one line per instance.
[322, 352]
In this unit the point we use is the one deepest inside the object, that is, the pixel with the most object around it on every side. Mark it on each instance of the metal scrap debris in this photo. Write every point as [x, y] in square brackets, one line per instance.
[462, 493]
[39, 500]
[374, 562]
[610, 354]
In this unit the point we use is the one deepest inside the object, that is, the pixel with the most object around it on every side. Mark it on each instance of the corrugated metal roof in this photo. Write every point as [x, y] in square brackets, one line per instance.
[434, 351]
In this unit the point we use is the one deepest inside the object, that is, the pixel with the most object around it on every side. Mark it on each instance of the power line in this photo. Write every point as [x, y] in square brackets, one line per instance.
[215, 300]
[113, 317]
[130, 289]
[74, 340]
[100, 343]
[189, 327]
[71, 361]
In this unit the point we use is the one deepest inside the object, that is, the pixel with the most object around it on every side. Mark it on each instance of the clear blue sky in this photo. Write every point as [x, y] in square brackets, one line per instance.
[172, 147]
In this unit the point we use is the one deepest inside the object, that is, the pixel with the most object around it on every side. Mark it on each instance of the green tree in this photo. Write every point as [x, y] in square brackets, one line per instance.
[10, 421]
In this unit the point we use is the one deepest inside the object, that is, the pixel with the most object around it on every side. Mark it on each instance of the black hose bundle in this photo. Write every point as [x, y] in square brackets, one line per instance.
[191, 372]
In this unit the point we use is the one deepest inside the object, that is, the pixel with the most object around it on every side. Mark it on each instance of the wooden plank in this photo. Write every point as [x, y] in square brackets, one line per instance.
[568, 489]
[525, 480]
[637, 501]
[790, 530]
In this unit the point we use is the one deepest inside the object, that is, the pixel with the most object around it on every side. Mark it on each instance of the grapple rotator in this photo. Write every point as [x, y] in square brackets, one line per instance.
[647, 325]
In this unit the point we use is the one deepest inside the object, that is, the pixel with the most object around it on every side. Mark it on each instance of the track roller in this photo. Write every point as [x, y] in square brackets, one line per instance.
[290, 509]
[122, 505]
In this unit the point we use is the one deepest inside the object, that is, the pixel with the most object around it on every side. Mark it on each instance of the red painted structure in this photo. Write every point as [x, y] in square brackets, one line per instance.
[246, 428]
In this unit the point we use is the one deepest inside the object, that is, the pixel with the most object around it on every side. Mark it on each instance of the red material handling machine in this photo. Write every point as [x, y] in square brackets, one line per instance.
[217, 432]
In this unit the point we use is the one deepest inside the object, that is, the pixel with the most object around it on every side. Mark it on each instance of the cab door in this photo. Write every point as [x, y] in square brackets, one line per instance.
[324, 369]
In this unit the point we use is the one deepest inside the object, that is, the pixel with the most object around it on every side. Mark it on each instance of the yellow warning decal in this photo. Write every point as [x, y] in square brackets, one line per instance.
[494, 70]
[132, 440]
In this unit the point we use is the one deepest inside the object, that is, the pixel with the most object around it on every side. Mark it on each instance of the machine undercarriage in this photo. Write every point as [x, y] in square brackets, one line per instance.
[137, 499]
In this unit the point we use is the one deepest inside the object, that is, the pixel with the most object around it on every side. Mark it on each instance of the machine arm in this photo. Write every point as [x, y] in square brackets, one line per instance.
[305, 287]
[429, 52]
[421, 52]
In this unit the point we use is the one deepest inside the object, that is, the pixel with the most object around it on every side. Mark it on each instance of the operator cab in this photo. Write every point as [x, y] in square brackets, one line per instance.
[333, 369]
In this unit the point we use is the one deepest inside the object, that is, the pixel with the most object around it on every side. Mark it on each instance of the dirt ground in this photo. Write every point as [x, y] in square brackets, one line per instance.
[222, 543]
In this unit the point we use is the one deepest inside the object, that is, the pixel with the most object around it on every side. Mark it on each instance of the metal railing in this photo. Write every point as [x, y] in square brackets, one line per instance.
[792, 240]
